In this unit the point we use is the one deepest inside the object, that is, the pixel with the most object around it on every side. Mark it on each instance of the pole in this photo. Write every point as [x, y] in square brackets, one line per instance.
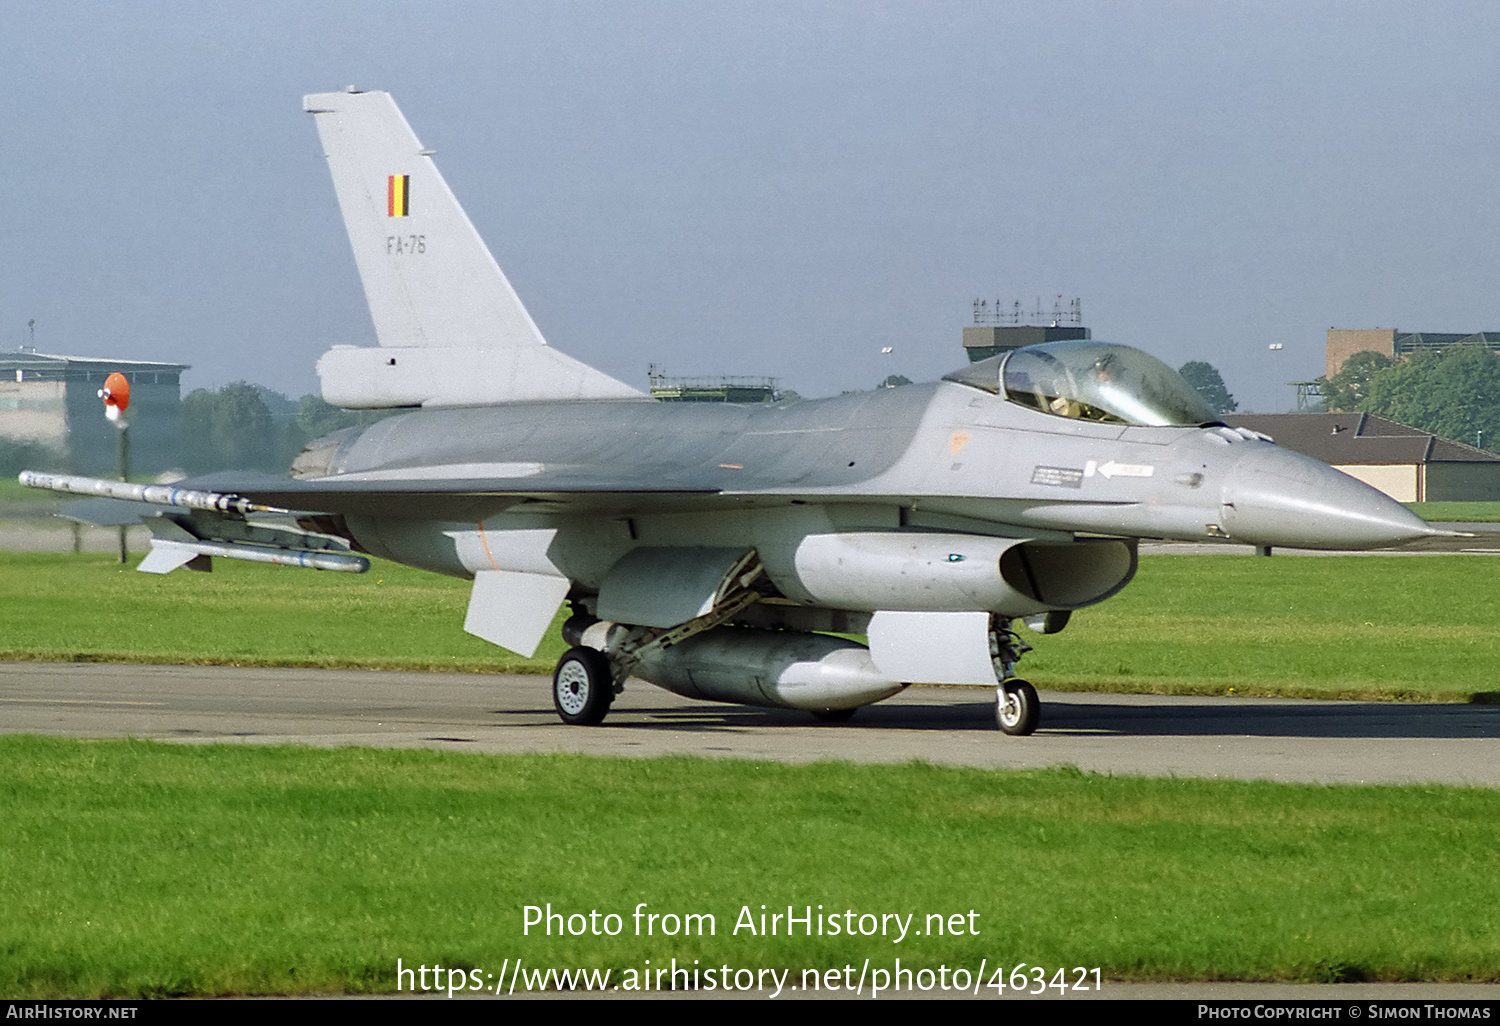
[116, 396]
[122, 457]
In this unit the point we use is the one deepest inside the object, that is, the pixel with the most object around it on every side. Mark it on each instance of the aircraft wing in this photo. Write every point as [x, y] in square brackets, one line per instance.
[459, 491]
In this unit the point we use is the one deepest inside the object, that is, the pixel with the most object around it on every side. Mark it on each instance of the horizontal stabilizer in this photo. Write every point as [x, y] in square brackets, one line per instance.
[105, 512]
[390, 378]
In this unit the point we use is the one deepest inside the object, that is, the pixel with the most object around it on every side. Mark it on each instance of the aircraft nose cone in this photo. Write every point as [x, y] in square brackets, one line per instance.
[1277, 497]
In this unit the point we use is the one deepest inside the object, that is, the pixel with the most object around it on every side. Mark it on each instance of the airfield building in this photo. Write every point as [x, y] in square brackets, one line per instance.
[51, 414]
[712, 389]
[1408, 464]
[998, 329]
[1345, 342]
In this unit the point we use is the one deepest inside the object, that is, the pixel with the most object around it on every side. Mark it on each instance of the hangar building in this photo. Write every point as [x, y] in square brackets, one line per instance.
[52, 403]
[1408, 464]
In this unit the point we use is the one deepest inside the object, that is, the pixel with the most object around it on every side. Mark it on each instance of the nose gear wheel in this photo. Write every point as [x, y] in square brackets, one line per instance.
[1017, 709]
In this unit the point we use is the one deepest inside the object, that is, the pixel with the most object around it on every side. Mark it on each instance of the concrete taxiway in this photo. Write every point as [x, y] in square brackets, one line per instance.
[1271, 739]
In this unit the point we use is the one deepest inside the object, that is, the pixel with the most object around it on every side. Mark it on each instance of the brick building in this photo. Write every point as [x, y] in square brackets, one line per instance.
[1345, 342]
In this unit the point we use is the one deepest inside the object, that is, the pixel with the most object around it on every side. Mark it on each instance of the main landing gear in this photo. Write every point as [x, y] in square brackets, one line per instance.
[583, 687]
[587, 679]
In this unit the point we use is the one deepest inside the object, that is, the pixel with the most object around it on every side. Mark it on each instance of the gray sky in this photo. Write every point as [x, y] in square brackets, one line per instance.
[766, 188]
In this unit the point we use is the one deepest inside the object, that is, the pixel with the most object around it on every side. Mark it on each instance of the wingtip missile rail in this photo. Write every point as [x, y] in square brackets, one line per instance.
[156, 494]
[174, 542]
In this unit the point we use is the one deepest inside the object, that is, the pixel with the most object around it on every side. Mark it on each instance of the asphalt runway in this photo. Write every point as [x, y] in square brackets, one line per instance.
[1271, 739]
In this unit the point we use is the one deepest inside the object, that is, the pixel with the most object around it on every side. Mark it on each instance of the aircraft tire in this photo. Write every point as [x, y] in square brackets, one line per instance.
[1017, 709]
[582, 687]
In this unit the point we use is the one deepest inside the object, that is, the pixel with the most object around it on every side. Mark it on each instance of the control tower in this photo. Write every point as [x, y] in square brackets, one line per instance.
[999, 328]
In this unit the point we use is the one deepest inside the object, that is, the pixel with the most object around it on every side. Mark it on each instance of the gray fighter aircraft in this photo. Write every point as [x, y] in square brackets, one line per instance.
[719, 551]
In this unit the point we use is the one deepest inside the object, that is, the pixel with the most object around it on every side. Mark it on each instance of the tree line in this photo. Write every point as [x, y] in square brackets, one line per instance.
[237, 427]
[246, 427]
[1453, 394]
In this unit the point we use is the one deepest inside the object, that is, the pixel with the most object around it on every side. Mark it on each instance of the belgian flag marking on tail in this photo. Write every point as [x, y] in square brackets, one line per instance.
[398, 195]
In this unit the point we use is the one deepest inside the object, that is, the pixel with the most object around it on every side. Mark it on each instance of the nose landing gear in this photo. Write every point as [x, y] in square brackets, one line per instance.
[1017, 709]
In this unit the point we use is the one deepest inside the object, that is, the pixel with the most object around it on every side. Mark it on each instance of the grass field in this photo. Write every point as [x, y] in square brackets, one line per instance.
[137, 869]
[134, 868]
[89, 608]
[1354, 627]
[11, 491]
[1367, 627]
[1471, 512]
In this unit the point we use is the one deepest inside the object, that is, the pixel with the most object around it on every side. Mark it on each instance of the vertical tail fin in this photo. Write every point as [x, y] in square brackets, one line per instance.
[429, 279]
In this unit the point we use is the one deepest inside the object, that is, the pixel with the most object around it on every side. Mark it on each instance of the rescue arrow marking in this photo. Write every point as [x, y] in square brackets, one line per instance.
[1113, 469]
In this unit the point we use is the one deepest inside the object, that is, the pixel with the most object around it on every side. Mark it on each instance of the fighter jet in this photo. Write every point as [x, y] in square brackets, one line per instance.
[725, 551]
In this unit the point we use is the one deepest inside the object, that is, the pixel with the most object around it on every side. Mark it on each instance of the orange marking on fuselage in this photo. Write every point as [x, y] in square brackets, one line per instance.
[486, 543]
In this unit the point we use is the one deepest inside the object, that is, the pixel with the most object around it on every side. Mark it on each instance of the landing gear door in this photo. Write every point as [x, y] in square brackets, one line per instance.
[666, 586]
[514, 610]
[932, 648]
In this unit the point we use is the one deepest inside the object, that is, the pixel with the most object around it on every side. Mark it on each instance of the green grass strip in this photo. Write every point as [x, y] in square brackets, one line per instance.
[1466, 512]
[1369, 627]
[1350, 627]
[88, 608]
[140, 869]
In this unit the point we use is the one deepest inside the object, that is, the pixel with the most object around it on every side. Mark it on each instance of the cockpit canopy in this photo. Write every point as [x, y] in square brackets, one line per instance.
[1086, 380]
